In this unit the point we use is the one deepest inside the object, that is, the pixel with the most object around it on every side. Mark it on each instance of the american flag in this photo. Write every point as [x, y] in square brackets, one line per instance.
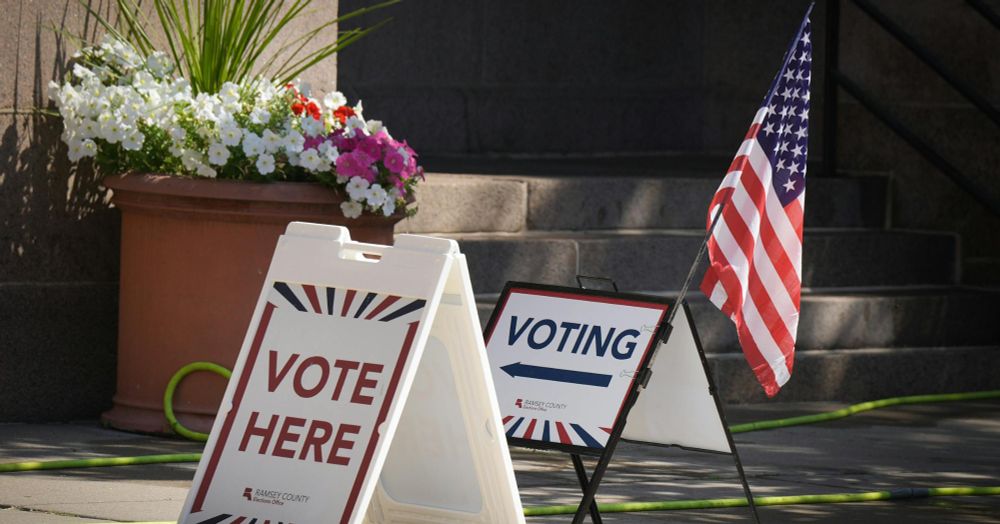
[755, 250]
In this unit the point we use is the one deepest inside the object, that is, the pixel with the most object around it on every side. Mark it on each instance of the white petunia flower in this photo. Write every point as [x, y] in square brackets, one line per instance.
[82, 72]
[312, 127]
[294, 142]
[159, 64]
[310, 160]
[265, 90]
[112, 130]
[334, 100]
[134, 141]
[374, 126]
[89, 147]
[76, 151]
[351, 209]
[178, 133]
[265, 164]
[353, 125]
[231, 107]
[144, 81]
[206, 171]
[252, 145]
[329, 151]
[272, 141]
[341, 179]
[389, 207]
[376, 195]
[218, 154]
[260, 116]
[88, 128]
[190, 159]
[357, 188]
[231, 134]
[54, 92]
[230, 93]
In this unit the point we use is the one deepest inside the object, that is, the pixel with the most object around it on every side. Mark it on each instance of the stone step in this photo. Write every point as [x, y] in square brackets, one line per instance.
[947, 316]
[644, 260]
[451, 203]
[865, 374]
[682, 203]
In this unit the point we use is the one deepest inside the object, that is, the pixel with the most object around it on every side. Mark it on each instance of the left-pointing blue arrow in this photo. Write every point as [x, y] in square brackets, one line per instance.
[584, 378]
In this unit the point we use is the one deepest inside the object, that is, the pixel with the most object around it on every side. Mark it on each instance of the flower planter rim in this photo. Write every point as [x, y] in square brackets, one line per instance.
[240, 190]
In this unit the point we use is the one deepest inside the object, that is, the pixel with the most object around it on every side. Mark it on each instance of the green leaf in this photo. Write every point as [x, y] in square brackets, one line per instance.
[216, 41]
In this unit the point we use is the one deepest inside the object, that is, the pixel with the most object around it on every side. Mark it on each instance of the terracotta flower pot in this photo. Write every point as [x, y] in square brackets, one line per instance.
[194, 254]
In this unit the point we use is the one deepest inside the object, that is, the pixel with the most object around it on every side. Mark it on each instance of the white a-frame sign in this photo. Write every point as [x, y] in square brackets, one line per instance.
[362, 394]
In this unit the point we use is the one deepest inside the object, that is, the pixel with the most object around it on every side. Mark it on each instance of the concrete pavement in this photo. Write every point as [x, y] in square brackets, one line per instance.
[955, 444]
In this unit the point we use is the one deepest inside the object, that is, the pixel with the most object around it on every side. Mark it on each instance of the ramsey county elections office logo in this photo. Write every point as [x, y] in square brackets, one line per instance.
[538, 405]
[274, 497]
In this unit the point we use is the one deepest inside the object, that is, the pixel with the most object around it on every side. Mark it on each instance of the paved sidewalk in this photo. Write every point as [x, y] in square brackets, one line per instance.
[913, 446]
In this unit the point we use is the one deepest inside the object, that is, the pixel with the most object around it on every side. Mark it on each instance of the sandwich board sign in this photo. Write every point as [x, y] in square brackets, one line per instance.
[361, 393]
[564, 362]
[569, 365]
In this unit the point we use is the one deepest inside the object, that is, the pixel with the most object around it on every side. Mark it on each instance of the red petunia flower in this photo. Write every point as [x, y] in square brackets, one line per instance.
[314, 111]
[343, 113]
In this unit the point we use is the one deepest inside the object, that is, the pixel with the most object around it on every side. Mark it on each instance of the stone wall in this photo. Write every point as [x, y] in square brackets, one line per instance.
[58, 239]
[572, 76]
[923, 197]
[58, 235]
[523, 77]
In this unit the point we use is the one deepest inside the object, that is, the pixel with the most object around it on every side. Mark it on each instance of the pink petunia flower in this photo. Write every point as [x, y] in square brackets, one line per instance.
[371, 147]
[394, 161]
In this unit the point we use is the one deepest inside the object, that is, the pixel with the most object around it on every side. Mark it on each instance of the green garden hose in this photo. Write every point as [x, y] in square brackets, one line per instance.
[830, 498]
[100, 462]
[858, 408]
[827, 498]
[168, 397]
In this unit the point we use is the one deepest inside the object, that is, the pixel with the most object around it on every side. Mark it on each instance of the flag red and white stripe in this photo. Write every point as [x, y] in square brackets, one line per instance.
[755, 250]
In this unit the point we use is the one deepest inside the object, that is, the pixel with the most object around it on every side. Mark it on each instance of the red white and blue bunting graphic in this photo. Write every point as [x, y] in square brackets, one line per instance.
[348, 303]
[555, 431]
[226, 518]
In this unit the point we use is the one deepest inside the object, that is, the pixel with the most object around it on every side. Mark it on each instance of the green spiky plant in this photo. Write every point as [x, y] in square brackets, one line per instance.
[217, 41]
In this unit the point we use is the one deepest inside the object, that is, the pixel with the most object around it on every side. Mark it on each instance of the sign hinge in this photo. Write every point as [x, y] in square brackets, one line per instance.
[644, 378]
[665, 332]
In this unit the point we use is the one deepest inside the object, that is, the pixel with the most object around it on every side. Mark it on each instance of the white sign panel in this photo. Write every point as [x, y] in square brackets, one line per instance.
[677, 407]
[563, 360]
[324, 381]
[319, 381]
